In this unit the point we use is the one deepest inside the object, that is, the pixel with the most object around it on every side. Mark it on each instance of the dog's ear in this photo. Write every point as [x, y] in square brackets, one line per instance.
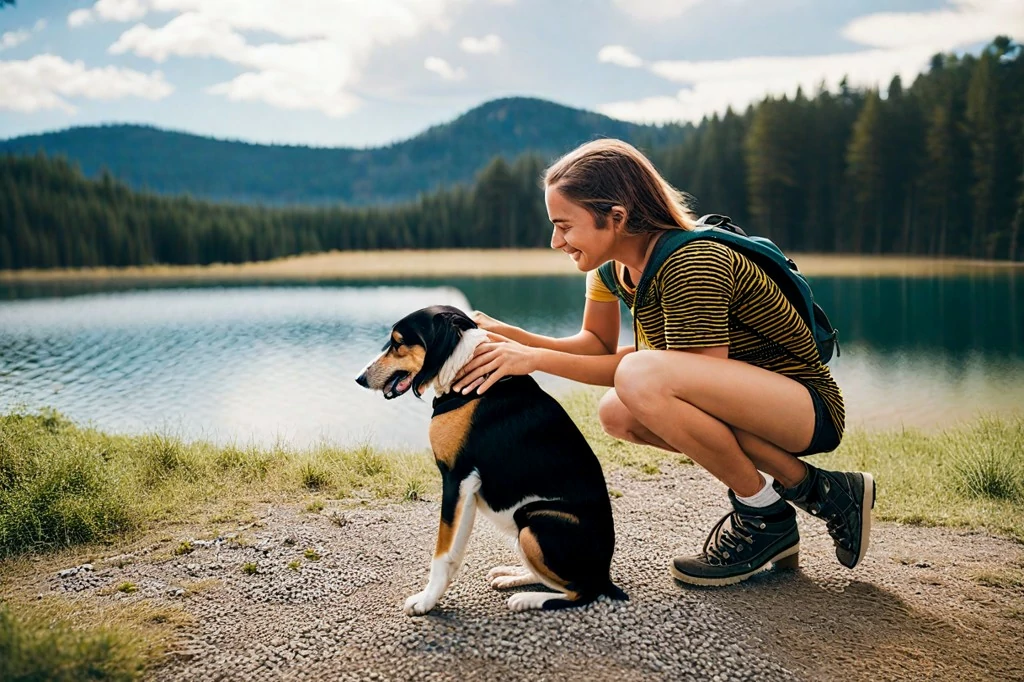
[440, 339]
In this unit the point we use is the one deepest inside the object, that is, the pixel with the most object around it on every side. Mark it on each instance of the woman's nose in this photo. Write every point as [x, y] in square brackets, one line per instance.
[556, 239]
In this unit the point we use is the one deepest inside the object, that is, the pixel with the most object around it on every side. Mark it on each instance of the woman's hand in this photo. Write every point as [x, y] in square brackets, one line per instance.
[486, 322]
[492, 360]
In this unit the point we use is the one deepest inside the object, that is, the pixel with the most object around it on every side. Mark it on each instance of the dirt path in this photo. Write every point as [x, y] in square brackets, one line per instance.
[919, 607]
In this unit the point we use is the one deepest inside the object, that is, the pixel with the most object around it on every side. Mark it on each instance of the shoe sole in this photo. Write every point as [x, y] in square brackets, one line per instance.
[867, 503]
[788, 558]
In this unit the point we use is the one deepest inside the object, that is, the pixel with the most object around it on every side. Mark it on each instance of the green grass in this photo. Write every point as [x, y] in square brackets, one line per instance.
[62, 485]
[56, 640]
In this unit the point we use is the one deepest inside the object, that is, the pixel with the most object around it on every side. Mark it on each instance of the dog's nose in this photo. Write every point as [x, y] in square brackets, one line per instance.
[361, 380]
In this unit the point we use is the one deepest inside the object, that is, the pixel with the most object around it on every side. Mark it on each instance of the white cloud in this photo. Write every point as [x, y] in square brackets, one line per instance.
[80, 17]
[902, 45]
[489, 44]
[324, 44]
[966, 22]
[617, 54]
[14, 38]
[656, 10]
[44, 81]
[444, 69]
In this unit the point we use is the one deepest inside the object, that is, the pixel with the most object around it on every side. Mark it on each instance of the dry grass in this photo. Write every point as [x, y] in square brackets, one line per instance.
[348, 265]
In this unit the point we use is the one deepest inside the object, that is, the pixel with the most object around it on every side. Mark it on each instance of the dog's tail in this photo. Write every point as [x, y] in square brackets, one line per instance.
[613, 591]
[610, 590]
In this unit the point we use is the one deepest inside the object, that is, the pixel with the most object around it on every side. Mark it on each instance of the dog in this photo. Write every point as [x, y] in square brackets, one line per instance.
[513, 454]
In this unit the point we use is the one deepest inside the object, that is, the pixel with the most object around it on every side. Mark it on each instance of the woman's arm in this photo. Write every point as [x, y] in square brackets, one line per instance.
[599, 335]
[500, 357]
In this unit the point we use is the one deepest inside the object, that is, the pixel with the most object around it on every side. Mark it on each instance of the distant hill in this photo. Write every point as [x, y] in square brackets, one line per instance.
[228, 171]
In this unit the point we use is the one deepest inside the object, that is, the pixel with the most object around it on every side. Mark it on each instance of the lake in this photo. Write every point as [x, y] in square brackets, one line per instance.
[266, 363]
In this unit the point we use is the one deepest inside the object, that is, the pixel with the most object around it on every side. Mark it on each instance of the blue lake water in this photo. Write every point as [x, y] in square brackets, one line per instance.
[264, 363]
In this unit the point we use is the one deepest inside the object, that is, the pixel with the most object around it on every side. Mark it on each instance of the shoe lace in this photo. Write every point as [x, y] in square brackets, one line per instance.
[722, 538]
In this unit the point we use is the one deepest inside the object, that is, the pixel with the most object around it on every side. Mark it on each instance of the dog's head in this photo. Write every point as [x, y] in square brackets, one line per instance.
[419, 345]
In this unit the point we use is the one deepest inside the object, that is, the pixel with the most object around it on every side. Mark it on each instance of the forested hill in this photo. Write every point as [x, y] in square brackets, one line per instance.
[175, 163]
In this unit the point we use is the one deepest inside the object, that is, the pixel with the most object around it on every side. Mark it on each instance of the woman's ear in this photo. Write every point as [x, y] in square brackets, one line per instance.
[618, 217]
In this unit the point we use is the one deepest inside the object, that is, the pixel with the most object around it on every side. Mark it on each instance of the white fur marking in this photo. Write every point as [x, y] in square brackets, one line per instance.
[504, 582]
[463, 353]
[504, 520]
[527, 601]
[444, 567]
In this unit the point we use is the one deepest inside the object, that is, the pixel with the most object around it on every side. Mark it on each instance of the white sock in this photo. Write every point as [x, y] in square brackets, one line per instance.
[764, 497]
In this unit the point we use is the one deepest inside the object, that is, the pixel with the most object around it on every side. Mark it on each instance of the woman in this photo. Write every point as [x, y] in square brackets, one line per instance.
[724, 368]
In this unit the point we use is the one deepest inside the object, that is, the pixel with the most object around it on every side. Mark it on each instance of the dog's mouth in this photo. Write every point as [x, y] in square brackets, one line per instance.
[399, 383]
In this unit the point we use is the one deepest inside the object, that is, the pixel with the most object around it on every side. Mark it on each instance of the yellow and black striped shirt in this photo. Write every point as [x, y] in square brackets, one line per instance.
[707, 294]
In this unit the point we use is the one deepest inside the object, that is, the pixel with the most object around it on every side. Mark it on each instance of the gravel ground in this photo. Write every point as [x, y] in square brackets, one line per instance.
[914, 609]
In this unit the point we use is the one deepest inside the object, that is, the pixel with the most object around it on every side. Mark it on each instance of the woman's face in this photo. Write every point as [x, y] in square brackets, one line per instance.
[576, 232]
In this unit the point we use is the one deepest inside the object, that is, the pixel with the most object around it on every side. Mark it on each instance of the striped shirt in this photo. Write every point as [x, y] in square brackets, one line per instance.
[707, 294]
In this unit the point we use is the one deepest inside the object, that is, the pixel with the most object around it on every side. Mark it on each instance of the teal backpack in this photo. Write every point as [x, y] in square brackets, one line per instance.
[763, 252]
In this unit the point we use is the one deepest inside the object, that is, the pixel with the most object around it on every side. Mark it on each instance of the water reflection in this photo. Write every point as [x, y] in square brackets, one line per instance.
[261, 363]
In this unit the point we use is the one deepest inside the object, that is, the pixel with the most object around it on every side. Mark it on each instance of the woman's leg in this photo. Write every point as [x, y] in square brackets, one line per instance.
[618, 421]
[735, 419]
[698, 404]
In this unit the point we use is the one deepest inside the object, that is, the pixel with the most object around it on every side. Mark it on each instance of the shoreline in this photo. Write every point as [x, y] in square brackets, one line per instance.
[411, 264]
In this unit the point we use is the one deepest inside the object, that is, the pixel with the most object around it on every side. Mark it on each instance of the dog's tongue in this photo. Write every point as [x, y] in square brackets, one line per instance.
[403, 385]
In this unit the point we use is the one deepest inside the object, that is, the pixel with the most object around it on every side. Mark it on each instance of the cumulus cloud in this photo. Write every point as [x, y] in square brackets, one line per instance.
[111, 10]
[901, 44]
[14, 38]
[444, 69]
[46, 80]
[321, 49]
[617, 54]
[80, 17]
[489, 44]
[964, 23]
[656, 10]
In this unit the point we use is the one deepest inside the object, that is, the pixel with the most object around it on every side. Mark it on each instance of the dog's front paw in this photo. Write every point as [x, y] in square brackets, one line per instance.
[500, 571]
[419, 603]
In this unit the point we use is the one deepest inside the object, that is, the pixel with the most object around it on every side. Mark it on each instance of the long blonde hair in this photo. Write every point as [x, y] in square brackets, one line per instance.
[604, 173]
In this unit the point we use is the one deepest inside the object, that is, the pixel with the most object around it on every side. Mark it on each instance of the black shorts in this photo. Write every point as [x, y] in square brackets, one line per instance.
[826, 437]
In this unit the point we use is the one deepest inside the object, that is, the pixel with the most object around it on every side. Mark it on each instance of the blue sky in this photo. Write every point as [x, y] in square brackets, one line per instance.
[369, 72]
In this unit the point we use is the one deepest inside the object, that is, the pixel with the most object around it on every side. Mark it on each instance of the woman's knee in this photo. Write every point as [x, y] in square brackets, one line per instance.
[614, 417]
[636, 378]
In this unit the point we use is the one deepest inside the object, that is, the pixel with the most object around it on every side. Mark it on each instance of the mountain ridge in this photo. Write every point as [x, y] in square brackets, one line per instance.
[177, 162]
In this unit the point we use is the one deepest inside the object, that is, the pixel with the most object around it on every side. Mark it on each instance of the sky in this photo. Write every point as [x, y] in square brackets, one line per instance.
[364, 73]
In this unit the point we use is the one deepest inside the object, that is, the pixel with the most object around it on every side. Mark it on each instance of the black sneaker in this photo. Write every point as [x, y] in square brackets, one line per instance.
[844, 500]
[743, 543]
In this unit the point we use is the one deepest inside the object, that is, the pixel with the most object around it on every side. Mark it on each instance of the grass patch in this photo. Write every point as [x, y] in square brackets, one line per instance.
[315, 507]
[249, 568]
[62, 485]
[1002, 579]
[311, 555]
[184, 548]
[294, 564]
[127, 587]
[64, 640]
[971, 475]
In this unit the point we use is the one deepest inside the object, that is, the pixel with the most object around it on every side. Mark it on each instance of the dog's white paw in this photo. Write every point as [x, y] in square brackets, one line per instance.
[504, 582]
[528, 601]
[498, 571]
[419, 603]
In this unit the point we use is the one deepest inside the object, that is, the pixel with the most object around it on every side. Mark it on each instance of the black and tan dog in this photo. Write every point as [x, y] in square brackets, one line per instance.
[513, 454]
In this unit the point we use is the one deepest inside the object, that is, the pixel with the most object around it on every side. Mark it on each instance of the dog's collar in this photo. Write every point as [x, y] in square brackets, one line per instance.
[453, 400]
